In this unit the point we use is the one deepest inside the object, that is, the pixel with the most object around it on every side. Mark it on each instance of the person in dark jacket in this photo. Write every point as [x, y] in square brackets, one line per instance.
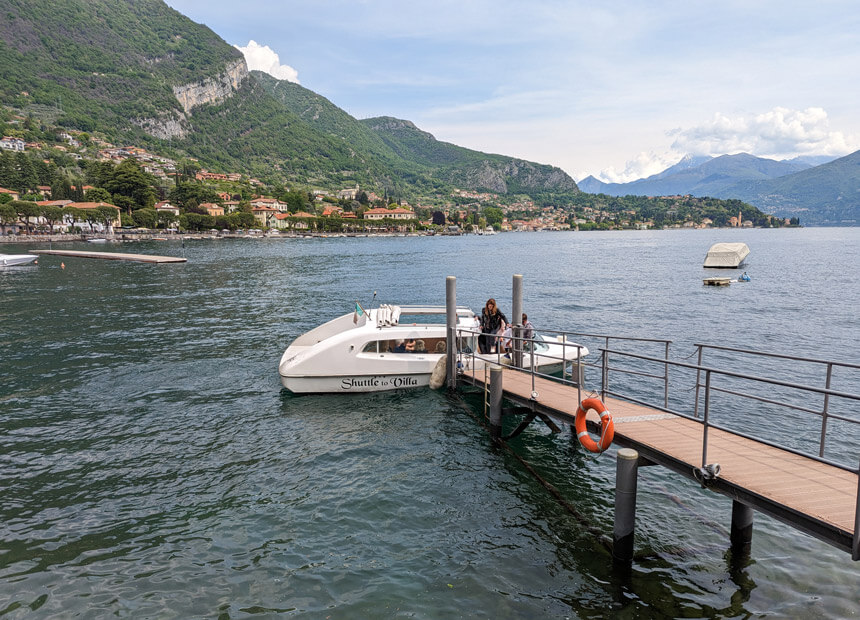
[493, 323]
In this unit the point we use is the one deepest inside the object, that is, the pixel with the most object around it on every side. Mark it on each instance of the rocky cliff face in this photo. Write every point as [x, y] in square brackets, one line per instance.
[212, 88]
[495, 177]
[209, 90]
[165, 127]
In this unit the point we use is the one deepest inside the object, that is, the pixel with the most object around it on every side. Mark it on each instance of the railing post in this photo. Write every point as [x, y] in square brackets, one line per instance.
[707, 407]
[626, 470]
[496, 402]
[580, 374]
[604, 381]
[451, 322]
[698, 379]
[666, 377]
[563, 356]
[824, 411]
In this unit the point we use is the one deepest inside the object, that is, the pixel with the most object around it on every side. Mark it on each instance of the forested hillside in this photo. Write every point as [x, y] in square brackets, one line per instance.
[138, 72]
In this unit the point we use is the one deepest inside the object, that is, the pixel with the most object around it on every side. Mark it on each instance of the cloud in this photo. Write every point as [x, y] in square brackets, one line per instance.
[264, 58]
[779, 133]
[643, 165]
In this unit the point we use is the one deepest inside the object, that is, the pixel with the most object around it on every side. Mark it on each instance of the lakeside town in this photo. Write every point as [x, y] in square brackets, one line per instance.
[72, 184]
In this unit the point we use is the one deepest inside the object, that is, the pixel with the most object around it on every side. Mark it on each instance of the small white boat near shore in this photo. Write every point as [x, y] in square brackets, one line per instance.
[11, 260]
[395, 347]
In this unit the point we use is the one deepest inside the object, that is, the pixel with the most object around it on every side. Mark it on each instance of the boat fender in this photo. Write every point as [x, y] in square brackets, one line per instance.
[607, 426]
[440, 371]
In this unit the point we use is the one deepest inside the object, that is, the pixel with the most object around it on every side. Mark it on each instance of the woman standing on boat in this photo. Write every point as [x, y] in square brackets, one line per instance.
[493, 323]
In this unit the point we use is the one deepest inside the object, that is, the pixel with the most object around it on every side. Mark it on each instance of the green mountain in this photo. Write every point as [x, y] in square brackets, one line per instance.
[139, 72]
[414, 154]
[826, 195]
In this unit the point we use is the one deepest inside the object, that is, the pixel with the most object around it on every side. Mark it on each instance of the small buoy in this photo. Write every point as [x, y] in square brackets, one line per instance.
[437, 377]
[62, 265]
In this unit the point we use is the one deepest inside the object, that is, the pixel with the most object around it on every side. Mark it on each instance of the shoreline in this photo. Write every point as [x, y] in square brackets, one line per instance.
[170, 236]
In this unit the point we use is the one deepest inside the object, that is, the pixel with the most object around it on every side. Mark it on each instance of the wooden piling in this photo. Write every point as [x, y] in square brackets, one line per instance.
[496, 402]
[626, 471]
[517, 320]
[742, 525]
[451, 323]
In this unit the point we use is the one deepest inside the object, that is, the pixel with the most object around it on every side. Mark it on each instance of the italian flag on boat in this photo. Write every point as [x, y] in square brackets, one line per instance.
[359, 312]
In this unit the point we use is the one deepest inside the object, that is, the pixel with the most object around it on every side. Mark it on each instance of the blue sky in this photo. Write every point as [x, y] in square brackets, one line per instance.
[620, 90]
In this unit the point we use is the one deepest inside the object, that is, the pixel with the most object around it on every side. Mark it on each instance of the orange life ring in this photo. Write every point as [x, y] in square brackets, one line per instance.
[607, 427]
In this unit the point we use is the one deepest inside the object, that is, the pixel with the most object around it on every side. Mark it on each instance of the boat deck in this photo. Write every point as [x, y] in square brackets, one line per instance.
[812, 496]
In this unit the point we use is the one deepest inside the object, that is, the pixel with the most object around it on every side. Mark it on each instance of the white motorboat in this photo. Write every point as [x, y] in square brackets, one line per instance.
[10, 260]
[726, 255]
[394, 347]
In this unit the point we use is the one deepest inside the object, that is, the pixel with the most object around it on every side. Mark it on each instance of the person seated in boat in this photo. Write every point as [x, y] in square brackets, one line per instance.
[399, 347]
[441, 347]
[507, 337]
[420, 347]
[528, 328]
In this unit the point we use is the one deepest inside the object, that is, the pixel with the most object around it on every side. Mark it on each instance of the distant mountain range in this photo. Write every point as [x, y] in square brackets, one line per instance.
[824, 193]
[138, 72]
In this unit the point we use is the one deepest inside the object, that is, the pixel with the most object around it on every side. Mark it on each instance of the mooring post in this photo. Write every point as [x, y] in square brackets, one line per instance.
[451, 322]
[496, 402]
[742, 525]
[517, 320]
[626, 470]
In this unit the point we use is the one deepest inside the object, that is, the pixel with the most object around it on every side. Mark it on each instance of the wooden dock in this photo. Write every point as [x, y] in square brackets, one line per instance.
[809, 495]
[138, 258]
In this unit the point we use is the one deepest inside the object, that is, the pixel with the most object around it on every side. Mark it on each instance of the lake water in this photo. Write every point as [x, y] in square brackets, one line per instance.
[152, 466]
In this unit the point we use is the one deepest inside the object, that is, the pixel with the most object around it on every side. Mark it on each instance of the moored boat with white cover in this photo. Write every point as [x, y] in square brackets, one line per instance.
[726, 255]
[383, 349]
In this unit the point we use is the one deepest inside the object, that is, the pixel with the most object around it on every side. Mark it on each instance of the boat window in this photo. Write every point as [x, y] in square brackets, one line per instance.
[376, 346]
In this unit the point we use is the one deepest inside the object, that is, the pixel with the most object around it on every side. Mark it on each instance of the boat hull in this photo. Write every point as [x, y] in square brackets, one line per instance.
[354, 384]
[11, 260]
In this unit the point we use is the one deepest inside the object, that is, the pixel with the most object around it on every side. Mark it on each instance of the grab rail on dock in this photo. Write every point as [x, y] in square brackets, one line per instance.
[825, 410]
[709, 389]
[577, 361]
[704, 390]
[826, 392]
